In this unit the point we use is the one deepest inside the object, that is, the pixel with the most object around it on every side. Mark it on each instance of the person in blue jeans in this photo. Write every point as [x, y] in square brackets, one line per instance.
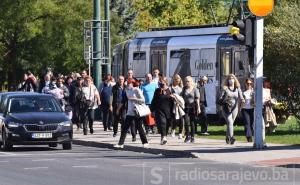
[106, 103]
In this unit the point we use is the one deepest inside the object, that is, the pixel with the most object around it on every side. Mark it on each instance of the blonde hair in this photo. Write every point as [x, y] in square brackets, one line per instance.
[236, 81]
[191, 79]
[175, 78]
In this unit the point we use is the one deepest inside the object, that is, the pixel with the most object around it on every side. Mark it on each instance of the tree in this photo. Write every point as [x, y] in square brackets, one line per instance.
[39, 34]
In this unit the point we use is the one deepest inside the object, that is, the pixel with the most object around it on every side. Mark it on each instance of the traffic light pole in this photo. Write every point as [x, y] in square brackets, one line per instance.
[97, 73]
[259, 134]
[107, 67]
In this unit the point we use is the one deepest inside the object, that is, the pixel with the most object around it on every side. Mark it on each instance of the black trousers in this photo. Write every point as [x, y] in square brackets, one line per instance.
[178, 123]
[248, 116]
[189, 122]
[89, 117]
[203, 120]
[163, 123]
[119, 117]
[107, 116]
[129, 120]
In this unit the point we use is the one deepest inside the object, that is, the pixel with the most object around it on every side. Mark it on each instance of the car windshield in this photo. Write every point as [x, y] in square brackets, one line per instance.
[33, 104]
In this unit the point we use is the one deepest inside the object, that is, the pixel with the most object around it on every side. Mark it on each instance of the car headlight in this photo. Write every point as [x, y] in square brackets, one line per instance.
[65, 124]
[13, 125]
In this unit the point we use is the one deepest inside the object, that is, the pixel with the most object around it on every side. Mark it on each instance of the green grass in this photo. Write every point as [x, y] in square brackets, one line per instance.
[288, 133]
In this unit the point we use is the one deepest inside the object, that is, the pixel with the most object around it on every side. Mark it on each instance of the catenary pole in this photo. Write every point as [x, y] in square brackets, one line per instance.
[97, 73]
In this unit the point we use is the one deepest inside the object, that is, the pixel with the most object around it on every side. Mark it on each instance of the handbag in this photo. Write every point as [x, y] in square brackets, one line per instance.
[150, 120]
[141, 110]
[88, 102]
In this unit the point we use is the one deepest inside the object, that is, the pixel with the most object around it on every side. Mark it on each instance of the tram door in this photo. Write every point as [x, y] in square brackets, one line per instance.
[158, 55]
[234, 60]
[159, 60]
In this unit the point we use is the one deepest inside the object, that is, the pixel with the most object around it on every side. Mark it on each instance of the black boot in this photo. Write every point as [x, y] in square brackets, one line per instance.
[227, 139]
[187, 139]
[232, 140]
[84, 131]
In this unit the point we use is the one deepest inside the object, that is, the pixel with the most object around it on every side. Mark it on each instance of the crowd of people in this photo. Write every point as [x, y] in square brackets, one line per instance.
[180, 104]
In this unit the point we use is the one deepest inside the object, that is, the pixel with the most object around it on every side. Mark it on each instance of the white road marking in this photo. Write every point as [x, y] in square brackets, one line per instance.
[36, 168]
[38, 160]
[43, 154]
[85, 159]
[6, 153]
[138, 165]
[4, 161]
[90, 166]
[132, 165]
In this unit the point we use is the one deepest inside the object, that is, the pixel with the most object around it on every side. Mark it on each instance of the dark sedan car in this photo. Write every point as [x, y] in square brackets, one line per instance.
[33, 119]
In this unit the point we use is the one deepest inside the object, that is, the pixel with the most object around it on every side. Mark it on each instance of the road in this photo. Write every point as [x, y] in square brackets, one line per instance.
[96, 166]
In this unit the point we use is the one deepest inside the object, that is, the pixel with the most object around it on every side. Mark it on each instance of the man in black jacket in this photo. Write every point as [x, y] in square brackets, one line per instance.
[118, 103]
[203, 105]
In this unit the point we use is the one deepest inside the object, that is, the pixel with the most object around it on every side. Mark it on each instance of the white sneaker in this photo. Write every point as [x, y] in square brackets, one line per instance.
[205, 133]
[146, 145]
[180, 136]
[173, 133]
[163, 141]
[119, 146]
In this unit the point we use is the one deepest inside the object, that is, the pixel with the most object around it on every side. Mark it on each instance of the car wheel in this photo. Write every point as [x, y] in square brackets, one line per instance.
[67, 146]
[6, 145]
[53, 145]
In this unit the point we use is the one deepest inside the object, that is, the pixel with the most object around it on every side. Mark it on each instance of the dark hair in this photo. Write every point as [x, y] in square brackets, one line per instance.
[108, 77]
[53, 78]
[248, 79]
[69, 77]
[155, 68]
[79, 78]
[29, 73]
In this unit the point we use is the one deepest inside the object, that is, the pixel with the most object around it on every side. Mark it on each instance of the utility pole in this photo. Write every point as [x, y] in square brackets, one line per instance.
[97, 73]
[260, 9]
[259, 134]
[107, 61]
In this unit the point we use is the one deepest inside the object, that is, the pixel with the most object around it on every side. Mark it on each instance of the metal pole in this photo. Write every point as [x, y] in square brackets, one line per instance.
[97, 44]
[259, 138]
[107, 68]
[90, 50]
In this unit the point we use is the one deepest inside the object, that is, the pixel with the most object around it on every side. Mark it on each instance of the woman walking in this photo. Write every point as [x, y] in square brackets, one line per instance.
[176, 88]
[92, 99]
[248, 110]
[191, 98]
[161, 105]
[134, 95]
[78, 103]
[230, 98]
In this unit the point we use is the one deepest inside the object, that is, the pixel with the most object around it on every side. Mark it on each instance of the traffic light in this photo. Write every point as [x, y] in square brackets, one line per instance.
[239, 33]
[243, 30]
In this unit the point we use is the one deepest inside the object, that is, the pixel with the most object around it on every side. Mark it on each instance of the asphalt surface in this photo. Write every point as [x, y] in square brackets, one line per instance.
[96, 166]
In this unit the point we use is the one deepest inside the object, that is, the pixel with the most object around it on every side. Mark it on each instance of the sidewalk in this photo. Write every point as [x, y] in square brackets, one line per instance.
[204, 149]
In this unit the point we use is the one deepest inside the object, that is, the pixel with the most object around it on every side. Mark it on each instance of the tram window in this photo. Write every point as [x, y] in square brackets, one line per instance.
[239, 60]
[241, 65]
[139, 56]
[226, 63]
[176, 53]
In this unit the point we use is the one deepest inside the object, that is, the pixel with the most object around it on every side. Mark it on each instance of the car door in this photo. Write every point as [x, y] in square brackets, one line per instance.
[1, 115]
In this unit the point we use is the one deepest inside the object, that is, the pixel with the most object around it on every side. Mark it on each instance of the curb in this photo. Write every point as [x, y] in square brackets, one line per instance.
[164, 152]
